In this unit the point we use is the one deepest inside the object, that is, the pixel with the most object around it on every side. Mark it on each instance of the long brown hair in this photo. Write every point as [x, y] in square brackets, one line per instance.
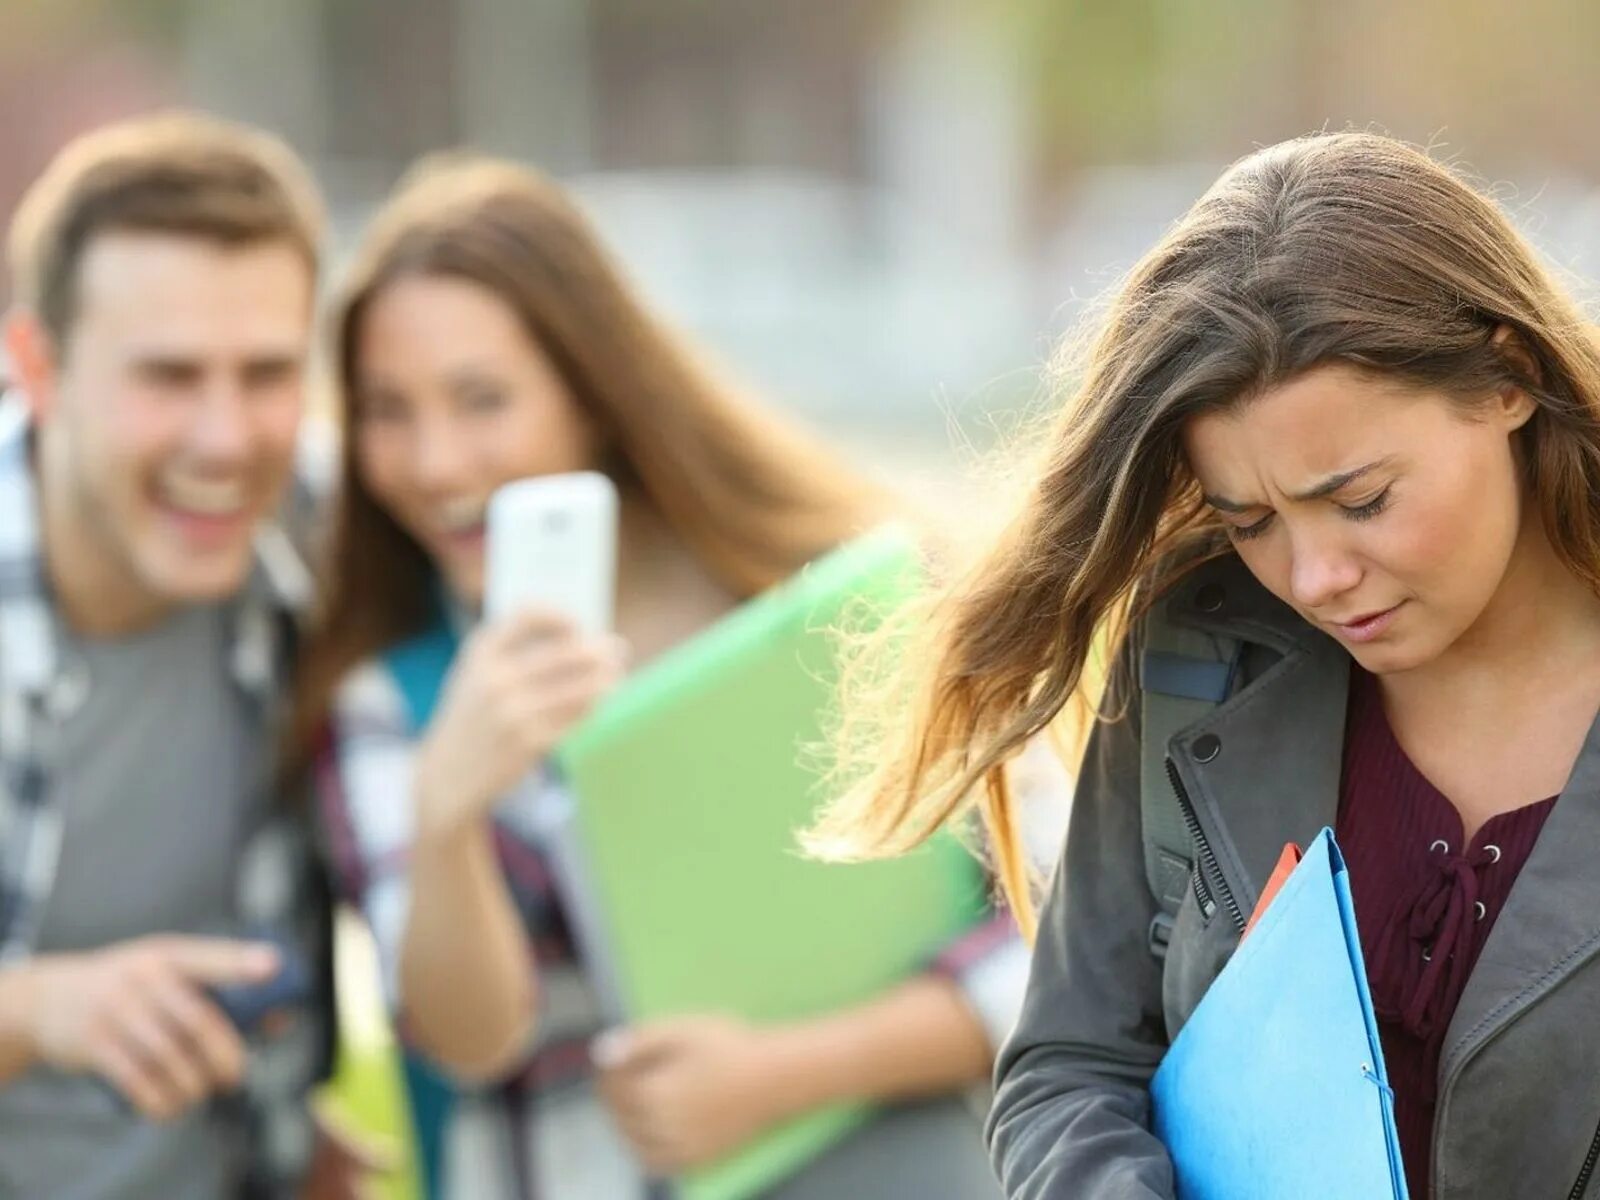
[753, 498]
[1341, 248]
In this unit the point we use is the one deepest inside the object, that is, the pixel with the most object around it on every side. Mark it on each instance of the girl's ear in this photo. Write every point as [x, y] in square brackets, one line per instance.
[1515, 405]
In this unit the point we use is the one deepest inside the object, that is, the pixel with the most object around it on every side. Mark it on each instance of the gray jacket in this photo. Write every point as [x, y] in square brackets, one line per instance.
[1519, 1080]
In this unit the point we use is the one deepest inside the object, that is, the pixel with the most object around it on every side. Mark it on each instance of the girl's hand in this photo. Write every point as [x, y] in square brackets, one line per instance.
[687, 1091]
[516, 688]
[344, 1166]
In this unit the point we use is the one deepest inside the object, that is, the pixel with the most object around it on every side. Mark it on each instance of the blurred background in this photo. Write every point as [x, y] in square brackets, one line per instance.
[881, 212]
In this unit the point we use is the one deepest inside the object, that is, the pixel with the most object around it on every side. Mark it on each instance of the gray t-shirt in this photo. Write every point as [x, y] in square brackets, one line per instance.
[157, 776]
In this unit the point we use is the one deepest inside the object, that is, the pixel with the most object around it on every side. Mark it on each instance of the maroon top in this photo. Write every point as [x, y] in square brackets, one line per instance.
[1424, 904]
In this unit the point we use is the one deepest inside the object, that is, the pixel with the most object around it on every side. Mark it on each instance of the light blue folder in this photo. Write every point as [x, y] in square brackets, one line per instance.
[1275, 1088]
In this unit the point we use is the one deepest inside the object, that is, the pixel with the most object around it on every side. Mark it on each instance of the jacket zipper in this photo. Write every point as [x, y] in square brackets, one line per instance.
[1206, 863]
[1579, 1188]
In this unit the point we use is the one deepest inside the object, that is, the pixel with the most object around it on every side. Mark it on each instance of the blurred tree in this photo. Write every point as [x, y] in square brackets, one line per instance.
[1154, 80]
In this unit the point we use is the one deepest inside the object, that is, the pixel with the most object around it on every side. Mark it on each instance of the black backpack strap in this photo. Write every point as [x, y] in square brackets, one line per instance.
[1183, 674]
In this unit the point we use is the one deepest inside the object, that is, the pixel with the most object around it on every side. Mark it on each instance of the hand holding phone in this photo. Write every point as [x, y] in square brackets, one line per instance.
[136, 1015]
[543, 657]
[248, 1004]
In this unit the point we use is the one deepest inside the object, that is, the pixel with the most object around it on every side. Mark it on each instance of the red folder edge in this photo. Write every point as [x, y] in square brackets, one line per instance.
[1287, 861]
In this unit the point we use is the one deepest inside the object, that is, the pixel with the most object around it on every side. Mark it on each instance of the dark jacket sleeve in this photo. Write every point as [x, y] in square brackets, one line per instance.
[1071, 1113]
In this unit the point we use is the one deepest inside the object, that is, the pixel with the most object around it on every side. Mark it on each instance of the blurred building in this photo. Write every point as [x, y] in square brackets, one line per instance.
[881, 210]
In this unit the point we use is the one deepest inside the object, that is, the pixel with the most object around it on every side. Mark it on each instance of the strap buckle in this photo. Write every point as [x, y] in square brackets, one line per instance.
[1160, 934]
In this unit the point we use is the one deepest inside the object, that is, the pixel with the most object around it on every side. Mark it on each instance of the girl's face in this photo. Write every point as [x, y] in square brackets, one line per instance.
[453, 399]
[1383, 515]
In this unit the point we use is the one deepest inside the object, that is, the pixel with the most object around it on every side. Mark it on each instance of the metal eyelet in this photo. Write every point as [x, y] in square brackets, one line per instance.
[1479, 908]
[1440, 845]
[1492, 849]
[1427, 955]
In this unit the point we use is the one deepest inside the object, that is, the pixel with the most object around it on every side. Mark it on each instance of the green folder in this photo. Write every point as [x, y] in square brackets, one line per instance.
[689, 786]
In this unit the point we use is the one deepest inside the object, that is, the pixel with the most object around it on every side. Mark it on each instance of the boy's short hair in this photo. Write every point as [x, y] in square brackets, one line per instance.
[173, 173]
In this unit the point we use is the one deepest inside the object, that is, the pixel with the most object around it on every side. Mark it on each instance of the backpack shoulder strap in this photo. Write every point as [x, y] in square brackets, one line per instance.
[419, 666]
[1183, 674]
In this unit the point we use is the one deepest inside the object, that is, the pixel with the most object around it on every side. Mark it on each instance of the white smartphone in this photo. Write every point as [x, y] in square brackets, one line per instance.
[552, 542]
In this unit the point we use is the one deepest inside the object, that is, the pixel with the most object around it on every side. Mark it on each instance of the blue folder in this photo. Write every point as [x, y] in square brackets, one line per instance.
[1275, 1088]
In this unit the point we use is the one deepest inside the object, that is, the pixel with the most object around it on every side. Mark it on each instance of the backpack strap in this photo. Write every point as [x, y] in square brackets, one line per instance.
[419, 666]
[1183, 674]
